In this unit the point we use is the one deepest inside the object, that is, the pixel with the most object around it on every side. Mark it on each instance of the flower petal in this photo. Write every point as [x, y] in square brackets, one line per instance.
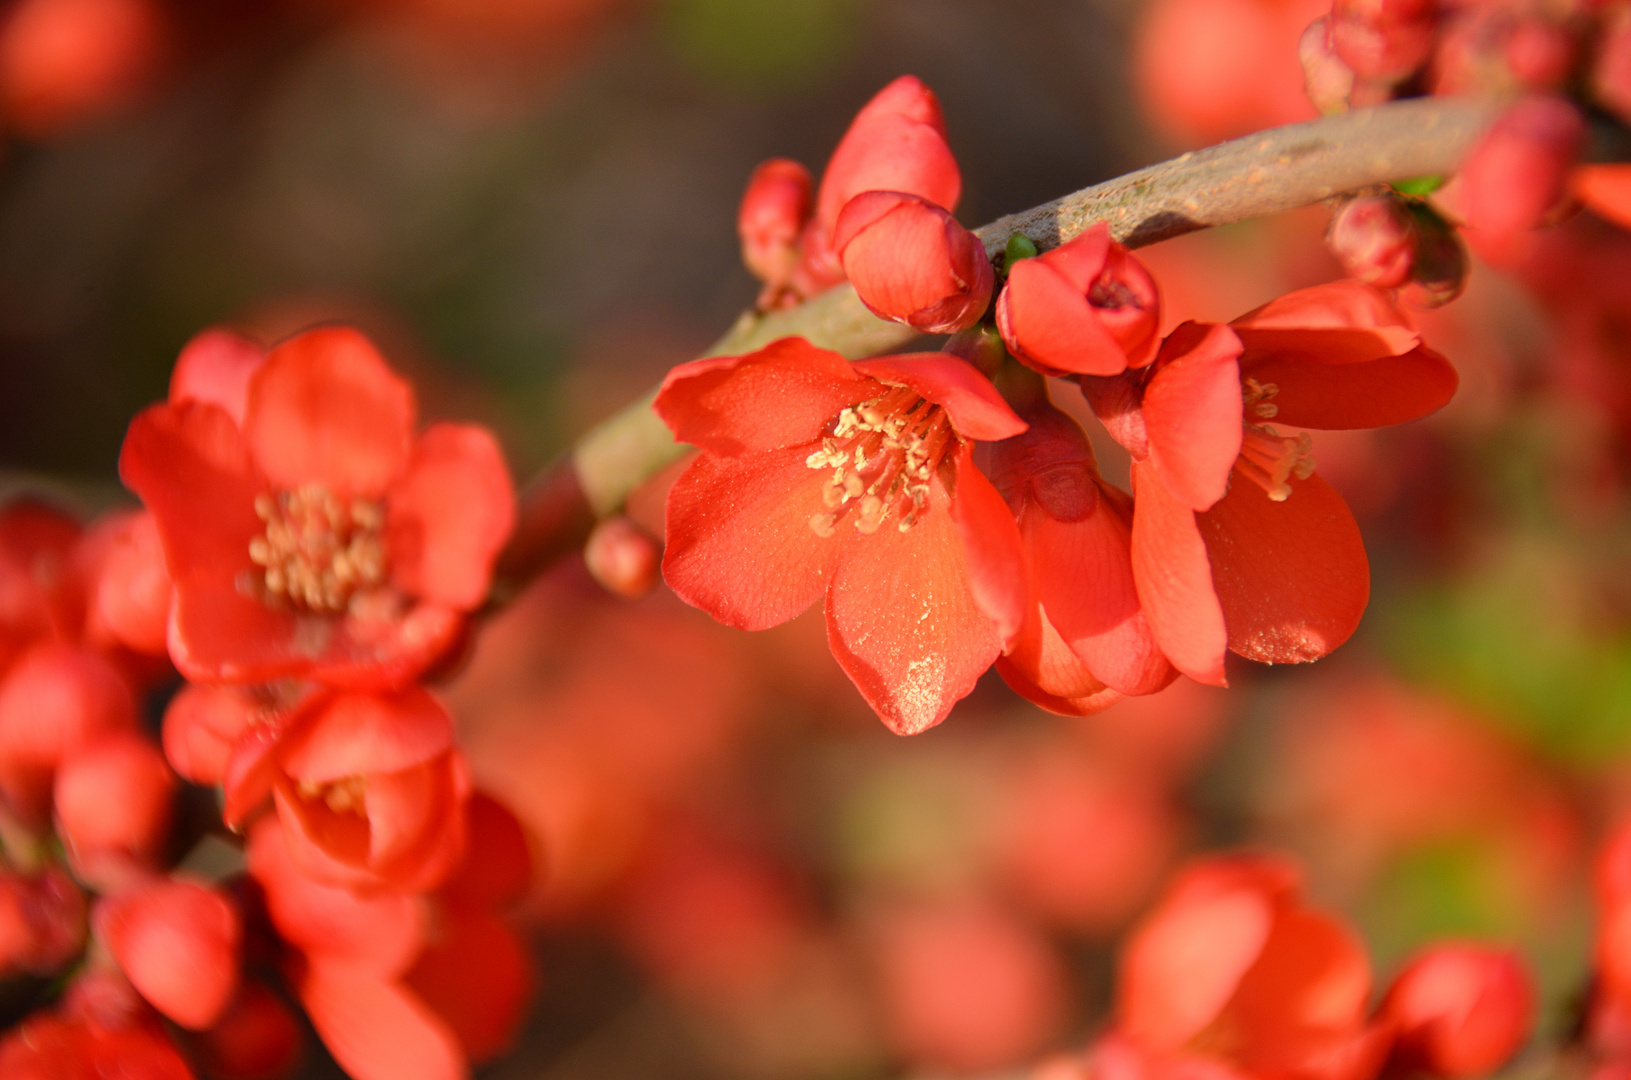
[740, 544]
[357, 734]
[478, 977]
[897, 142]
[996, 561]
[377, 1029]
[903, 623]
[1606, 191]
[1192, 412]
[1048, 324]
[1085, 705]
[1305, 997]
[783, 395]
[1367, 394]
[977, 411]
[1174, 579]
[450, 515]
[215, 366]
[325, 409]
[1342, 322]
[1292, 576]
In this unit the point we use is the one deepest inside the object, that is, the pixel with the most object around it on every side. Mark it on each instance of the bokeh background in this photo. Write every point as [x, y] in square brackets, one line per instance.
[530, 204]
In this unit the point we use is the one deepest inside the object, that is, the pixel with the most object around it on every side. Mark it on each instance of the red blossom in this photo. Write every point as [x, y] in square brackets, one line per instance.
[320, 539]
[774, 210]
[819, 477]
[113, 801]
[1460, 1010]
[178, 942]
[911, 262]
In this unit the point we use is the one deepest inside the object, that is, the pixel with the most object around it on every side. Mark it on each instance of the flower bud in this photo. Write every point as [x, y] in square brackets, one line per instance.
[910, 261]
[1540, 54]
[1327, 80]
[774, 210]
[1519, 169]
[1374, 239]
[178, 942]
[1460, 1010]
[1383, 41]
[1086, 307]
[130, 602]
[255, 1039]
[623, 557]
[113, 798]
[1438, 269]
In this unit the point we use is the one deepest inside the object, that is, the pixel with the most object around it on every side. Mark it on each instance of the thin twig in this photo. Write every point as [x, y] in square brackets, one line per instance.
[1267, 173]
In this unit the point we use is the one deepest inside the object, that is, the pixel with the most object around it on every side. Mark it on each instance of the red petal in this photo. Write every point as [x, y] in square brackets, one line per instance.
[358, 734]
[450, 515]
[1367, 394]
[897, 142]
[1343, 322]
[995, 558]
[1085, 705]
[740, 545]
[911, 262]
[202, 724]
[498, 863]
[1292, 576]
[325, 409]
[478, 978]
[1606, 191]
[1174, 578]
[1306, 995]
[1049, 325]
[977, 411]
[178, 942]
[1084, 575]
[378, 1030]
[783, 395]
[1192, 411]
[215, 366]
[903, 623]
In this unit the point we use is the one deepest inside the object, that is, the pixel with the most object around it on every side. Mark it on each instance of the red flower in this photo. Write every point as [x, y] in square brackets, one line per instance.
[853, 481]
[112, 802]
[1086, 307]
[52, 1047]
[320, 539]
[178, 943]
[770, 221]
[1237, 542]
[1085, 641]
[1460, 1010]
[1230, 965]
[911, 262]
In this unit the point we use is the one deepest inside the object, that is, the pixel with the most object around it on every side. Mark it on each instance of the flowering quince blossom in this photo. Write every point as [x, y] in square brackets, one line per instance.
[854, 481]
[1237, 542]
[312, 535]
[911, 262]
[897, 143]
[1087, 307]
[1085, 641]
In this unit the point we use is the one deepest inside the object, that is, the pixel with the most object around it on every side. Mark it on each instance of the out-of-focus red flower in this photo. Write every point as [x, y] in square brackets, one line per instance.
[369, 787]
[257, 1038]
[497, 868]
[1606, 190]
[1084, 631]
[205, 725]
[1086, 307]
[113, 801]
[1327, 79]
[777, 204]
[1212, 69]
[321, 539]
[38, 596]
[42, 921]
[1237, 543]
[911, 262]
[821, 477]
[1373, 238]
[178, 942]
[1460, 1010]
[1383, 41]
[51, 1047]
[623, 557]
[129, 603]
[63, 61]
[1230, 965]
[1519, 169]
[966, 986]
[55, 700]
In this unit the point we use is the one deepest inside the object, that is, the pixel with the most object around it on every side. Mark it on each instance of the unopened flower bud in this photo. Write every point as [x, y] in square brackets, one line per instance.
[1540, 54]
[777, 204]
[911, 262]
[1327, 80]
[1086, 307]
[1373, 237]
[1019, 247]
[1383, 41]
[131, 599]
[623, 557]
[980, 345]
[113, 798]
[55, 699]
[1460, 1010]
[255, 1039]
[1438, 270]
[1518, 171]
[178, 942]
[1611, 72]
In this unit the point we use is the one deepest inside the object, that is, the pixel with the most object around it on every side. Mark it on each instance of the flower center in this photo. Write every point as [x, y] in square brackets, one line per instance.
[318, 550]
[1270, 459]
[883, 453]
[345, 796]
[1258, 399]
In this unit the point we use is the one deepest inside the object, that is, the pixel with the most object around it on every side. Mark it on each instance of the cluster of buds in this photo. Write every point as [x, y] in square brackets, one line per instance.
[305, 559]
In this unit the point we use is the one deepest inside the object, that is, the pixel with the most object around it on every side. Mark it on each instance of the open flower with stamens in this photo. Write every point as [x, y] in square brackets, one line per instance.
[819, 477]
[313, 535]
[1237, 543]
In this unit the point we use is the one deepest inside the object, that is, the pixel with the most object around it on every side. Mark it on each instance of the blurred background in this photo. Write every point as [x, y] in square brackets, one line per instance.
[530, 204]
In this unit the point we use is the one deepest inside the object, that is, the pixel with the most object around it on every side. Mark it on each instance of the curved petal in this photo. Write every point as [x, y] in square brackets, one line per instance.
[378, 1030]
[740, 543]
[478, 978]
[1048, 324]
[1173, 575]
[897, 142]
[450, 515]
[325, 409]
[996, 561]
[202, 724]
[903, 623]
[1606, 191]
[1341, 322]
[786, 394]
[356, 734]
[1292, 576]
[215, 366]
[977, 411]
[1085, 705]
[911, 262]
[1192, 413]
[1305, 998]
[1084, 575]
[1368, 394]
